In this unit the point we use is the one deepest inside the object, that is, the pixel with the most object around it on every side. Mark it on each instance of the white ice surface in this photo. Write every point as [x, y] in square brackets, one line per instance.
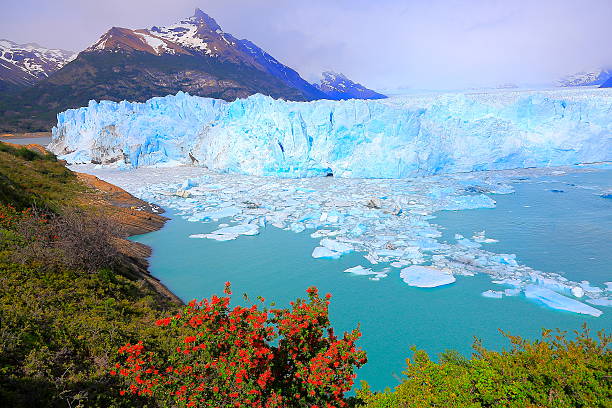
[390, 138]
[426, 277]
[495, 294]
[557, 301]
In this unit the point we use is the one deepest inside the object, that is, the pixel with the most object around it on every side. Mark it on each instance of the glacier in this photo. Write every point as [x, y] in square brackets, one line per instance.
[394, 138]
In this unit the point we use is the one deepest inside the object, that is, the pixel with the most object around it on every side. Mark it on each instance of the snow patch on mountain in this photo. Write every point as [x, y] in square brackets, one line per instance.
[29, 63]
[589, 77]
[338, 86]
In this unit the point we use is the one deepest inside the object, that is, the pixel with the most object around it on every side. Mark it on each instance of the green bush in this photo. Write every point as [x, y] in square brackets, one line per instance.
[554, 372]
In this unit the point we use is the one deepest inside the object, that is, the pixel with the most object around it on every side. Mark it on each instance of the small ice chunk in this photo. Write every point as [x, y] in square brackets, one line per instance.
[601, 302]
[577, 291]
[230, 233]
[512, 292]
[586, 285]
[557, 301]
[336, 246]
[189, 183]
[320, 233]
[325, 253]
[182, 193]
[218, 214]
[242, 229]
[480, 237]
[372, 258]
[426, 276]
[495, 294]
[216, 237]
[466, 243]
[297, 227]
[400, 264]
[360, 270]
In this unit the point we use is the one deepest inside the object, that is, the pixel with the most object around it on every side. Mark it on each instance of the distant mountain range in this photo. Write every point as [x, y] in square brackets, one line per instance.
[26, 64]
[338, 86]
[591, 77]
[194, 55]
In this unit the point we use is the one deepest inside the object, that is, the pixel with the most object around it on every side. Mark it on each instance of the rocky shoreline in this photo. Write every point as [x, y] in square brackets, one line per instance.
[134, 217]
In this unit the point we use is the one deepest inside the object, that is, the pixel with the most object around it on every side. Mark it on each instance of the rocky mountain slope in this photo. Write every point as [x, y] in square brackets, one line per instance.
[587, 78]
[338, 86]
[23, 65]
[194, 55]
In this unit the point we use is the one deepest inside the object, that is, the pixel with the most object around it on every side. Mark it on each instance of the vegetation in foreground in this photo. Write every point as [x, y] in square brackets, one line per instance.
[78, 330]
[554, 372]
[72, 316]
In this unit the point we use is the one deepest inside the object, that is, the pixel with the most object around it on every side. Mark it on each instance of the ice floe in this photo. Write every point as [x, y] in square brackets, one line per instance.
[557, 301]
[426, 276]
[495, 294]
[360, 270]
[230, 233]
[391, 222]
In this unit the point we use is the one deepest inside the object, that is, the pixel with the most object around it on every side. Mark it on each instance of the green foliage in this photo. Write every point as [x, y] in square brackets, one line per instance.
[31, 179]
[60, 321]
[60, 331]
[554, 372]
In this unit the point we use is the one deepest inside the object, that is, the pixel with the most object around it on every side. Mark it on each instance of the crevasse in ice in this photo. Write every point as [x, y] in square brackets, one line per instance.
[394, 138]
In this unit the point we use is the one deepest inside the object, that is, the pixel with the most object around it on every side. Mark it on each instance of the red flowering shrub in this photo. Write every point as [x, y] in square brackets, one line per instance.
[10, 217]
[246, 357]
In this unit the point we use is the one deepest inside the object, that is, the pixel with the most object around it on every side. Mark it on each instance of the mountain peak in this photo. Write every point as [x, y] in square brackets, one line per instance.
[202, 17]
[338, 86]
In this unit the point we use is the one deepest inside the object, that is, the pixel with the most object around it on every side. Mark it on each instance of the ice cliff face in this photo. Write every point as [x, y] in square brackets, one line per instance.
[393, 138]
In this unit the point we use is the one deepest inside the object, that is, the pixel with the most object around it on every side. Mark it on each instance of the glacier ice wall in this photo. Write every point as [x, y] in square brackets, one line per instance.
[399, 137]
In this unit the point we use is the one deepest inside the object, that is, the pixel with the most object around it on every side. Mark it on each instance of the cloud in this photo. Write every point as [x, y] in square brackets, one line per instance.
[384, 44]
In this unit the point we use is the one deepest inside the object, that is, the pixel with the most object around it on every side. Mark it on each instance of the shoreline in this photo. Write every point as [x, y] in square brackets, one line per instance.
[135, 217]
[24, 135]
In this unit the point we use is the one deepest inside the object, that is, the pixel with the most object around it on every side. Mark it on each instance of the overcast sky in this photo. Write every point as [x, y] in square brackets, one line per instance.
[423, 44]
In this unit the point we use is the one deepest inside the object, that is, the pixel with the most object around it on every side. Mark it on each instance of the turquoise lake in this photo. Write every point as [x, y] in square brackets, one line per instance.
[554, 224]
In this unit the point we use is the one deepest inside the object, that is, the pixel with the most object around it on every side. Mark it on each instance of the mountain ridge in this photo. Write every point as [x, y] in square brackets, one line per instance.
[338, 86]
[23, 65]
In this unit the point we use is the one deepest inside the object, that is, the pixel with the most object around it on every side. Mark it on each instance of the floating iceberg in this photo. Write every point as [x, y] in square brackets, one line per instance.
[322, 252]
[393, 138]
[495, 294]
[229, 233]
[426, 276]
[601, 302]
[557, 301]
[343, 216]
[336, 246]
[360, 270]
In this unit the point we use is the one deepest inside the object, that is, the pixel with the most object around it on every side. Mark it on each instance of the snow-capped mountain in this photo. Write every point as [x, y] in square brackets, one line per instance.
[194, 55]
[200, 36]
[25, 64]
[286, 74]
[587, 78]
[338, 86]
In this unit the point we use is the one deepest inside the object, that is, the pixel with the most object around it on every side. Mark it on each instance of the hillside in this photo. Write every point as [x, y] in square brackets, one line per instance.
[193, 56]
[23, 65]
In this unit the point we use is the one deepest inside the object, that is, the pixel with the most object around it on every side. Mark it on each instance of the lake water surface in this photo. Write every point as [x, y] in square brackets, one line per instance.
[554, 224]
